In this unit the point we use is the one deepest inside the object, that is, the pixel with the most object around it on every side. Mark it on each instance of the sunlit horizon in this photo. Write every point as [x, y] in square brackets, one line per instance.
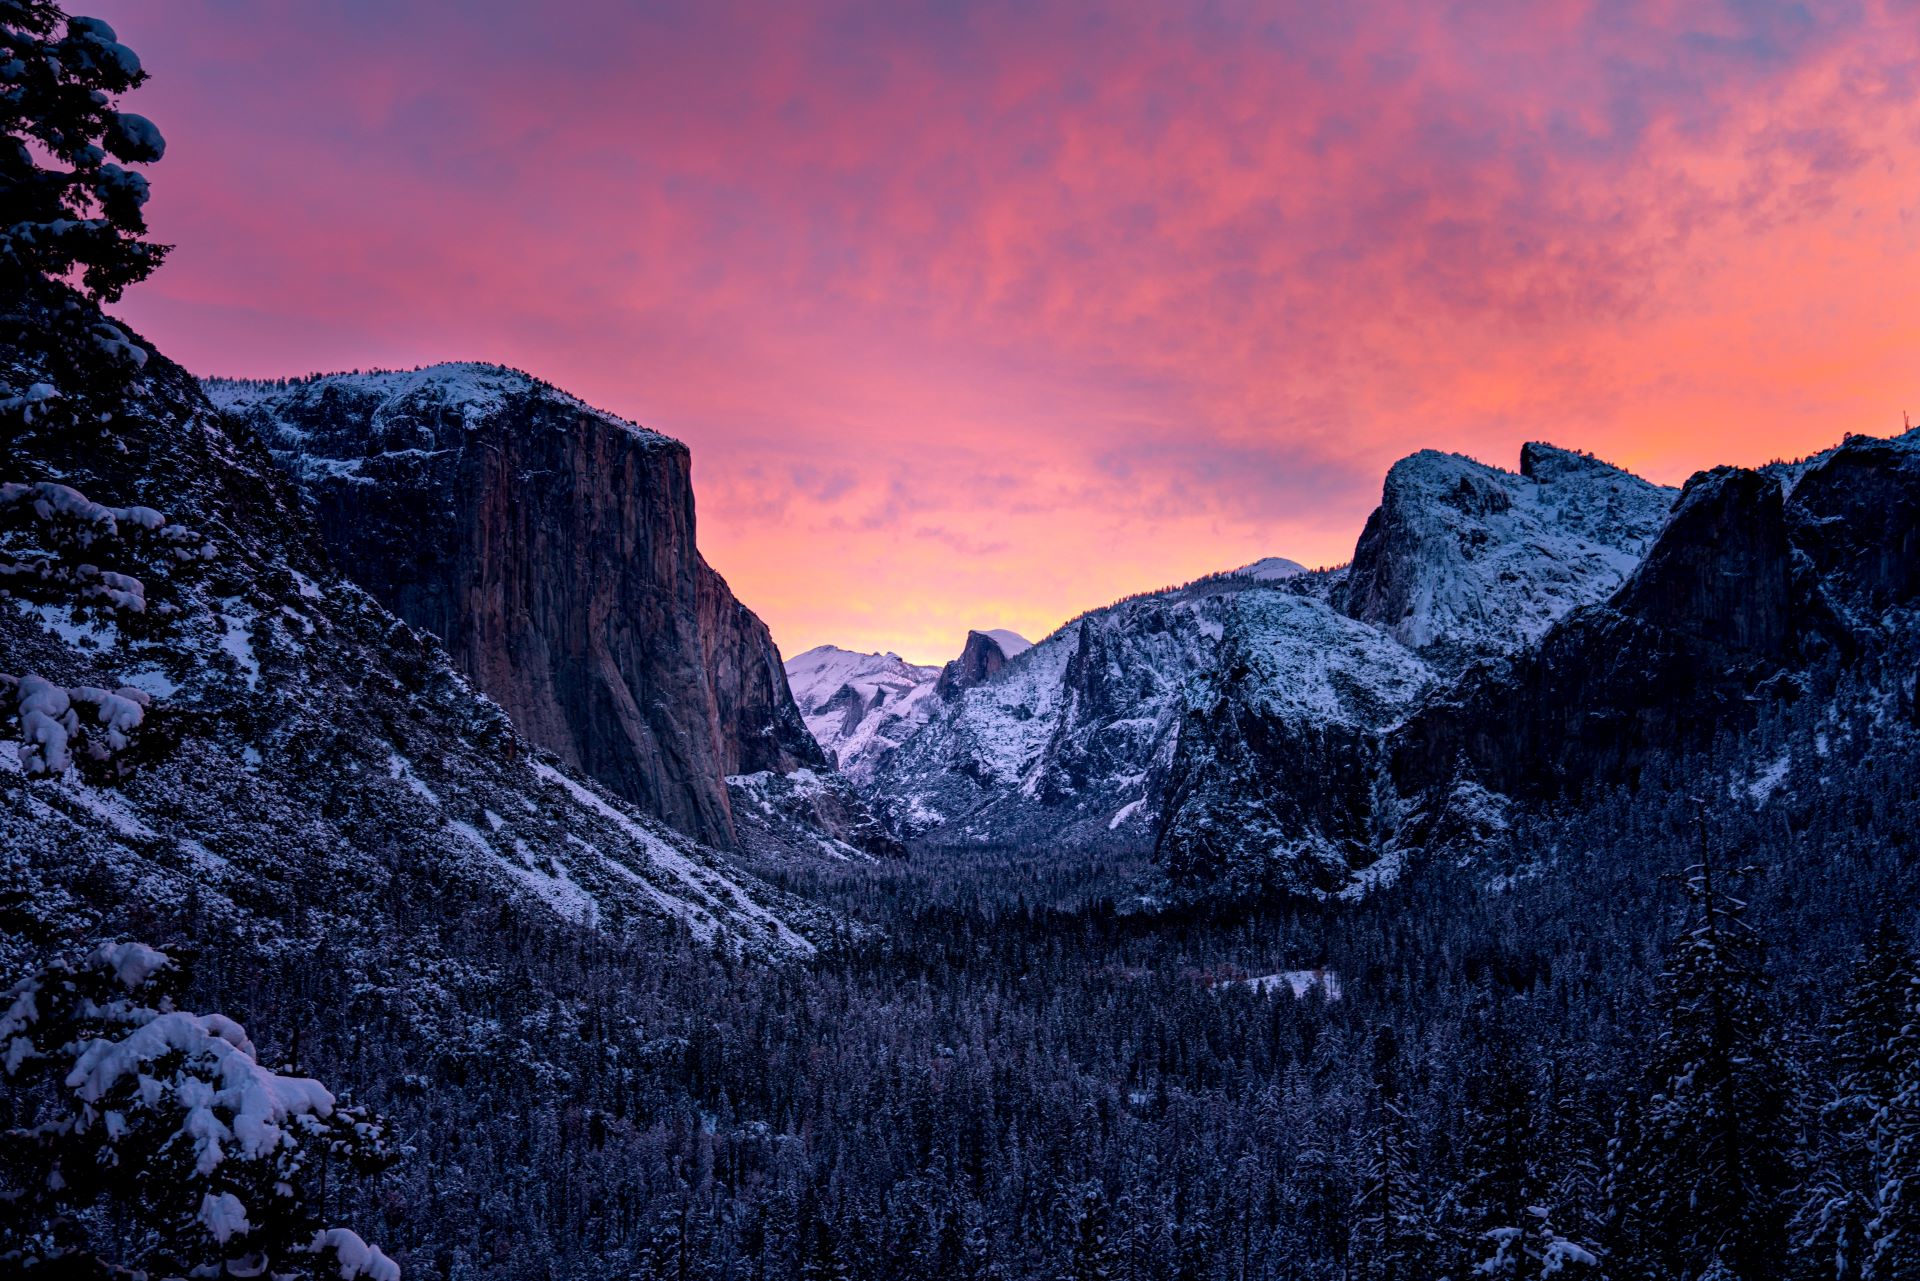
[985, 318]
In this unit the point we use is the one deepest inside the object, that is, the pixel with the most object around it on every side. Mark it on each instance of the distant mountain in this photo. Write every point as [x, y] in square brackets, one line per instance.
[1269, 568]
[550, 547]
[858, 705]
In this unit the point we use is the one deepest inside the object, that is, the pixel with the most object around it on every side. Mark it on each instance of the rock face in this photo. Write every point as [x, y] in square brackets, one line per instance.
[551, 549]
[981, 659]
[1462, 560]
[1272, 787]
[313, 775]
[1856, 515]
[809, 812]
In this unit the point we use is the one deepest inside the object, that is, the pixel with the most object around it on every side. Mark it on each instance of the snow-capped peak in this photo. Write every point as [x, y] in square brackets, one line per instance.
[1269, 569]
[858, 704]
[1460, 556]
[1010, 643]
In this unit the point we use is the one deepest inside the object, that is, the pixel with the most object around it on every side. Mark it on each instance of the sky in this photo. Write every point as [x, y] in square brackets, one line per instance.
[982, 315]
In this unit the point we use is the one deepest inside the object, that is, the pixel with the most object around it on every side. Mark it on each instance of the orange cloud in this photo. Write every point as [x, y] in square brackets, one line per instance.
[985, 314]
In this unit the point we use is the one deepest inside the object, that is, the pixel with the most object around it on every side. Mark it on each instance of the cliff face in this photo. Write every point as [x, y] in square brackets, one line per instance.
[1462, 560]
[1760, 586]
[551, 549]
[981, 659]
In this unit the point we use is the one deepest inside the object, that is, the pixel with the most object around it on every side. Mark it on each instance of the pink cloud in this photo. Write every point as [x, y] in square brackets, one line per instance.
[986, 314]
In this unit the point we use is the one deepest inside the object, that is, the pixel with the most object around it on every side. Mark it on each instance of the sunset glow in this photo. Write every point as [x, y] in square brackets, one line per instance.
[982, 315]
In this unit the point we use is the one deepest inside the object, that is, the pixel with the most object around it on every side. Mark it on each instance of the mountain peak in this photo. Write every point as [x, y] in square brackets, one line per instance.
[1470, 558]
[981, 658]
[1269, 569]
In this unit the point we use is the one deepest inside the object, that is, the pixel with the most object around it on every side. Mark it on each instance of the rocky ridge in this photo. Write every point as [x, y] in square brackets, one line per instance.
[305, 763]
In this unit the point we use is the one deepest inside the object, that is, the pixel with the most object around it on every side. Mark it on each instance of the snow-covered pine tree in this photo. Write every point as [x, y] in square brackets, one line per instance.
[1510, 1228]
[1711, 1167]
[65, 207]
[1860, 1214]
[73, 229]
[1095, 1256]
[143, 1139]
[1394, 1237]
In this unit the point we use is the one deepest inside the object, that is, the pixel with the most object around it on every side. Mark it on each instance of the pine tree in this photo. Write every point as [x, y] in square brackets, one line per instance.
[1711, 1161]
[1394, 1238]
[1860, 1213]
[79, 212]
[151, 1139]
[1095, 1256]
[1510, 1219]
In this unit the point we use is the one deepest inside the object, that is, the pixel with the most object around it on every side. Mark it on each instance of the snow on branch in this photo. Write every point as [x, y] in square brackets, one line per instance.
[53, 729]
[168, 1122]
[46, 529]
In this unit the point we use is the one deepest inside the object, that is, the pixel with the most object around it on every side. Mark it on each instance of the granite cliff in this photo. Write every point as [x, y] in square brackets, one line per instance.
[551, 549]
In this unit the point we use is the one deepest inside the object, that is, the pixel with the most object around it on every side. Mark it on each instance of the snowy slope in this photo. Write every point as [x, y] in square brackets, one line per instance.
[1269, 568]
[306, 760]
[859, 705]
[1010, 643]
[1071, 740]
[1462, 559]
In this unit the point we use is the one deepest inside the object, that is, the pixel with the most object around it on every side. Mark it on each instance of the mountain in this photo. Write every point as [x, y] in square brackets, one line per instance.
[1278, 750]
[858, 705]
[1066, 742]
[1269, 568]
[1462, 560]
[221, 735]
[1080, 739]
[1772, 614]
[550, 547]
[1765, 594]
[1248, 708]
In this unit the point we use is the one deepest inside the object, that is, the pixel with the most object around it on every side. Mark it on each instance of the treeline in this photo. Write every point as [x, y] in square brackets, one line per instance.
[1600, 1066]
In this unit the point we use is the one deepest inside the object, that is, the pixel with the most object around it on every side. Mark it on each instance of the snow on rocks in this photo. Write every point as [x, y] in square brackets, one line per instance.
[1463, 557]
[1066, 734]
[1269, 569]
[470, 390]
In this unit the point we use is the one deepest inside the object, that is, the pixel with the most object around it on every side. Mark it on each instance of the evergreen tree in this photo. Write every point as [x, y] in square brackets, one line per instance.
[1711, 1160]
[1095, 1255]
[1860, 1213]
[78, 211]
[1394, 1238]
[148, 1139]
[1507, 1206]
